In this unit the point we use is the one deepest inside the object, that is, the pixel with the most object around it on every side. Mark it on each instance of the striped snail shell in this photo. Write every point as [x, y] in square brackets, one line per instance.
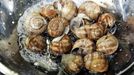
[96, 62]
[107, 44]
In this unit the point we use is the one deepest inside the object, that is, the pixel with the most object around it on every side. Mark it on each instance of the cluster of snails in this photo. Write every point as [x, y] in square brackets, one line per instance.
[87, 22]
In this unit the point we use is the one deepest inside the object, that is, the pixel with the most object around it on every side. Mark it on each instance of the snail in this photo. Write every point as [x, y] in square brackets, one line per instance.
[48, 11]
[57, 26]
[72, 63]
[67, 8]
[93, 32]
[107, 44]
[91, 9]
[96, 62]
[35, 24]
[85, 44]
[35, 43]
[107, 19]
[62, 46]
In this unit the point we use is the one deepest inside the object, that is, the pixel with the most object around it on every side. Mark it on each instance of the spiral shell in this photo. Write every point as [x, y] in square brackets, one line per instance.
[72, 63]
[48, 11]
[91, 9]
[107, 44]
[57, 26]
[93, 32]
[107, 19]
[85, 44]
[35, 24]
[62, 46]
[96, 62]
[35, 43]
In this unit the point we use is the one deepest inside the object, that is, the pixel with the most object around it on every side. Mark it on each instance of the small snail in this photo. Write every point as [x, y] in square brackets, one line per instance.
[96, 62]
[91, 9]
[93, 32]
[35, 24]
[35, 43]
[107, 44]
[67, 9]
[85, 44]
[57, 26]
[48, 11]
[107, 19]
[72, 63]
[62, 46]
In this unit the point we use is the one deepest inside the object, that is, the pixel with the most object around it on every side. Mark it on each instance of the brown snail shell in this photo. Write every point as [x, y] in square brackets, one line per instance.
[57, 26]
[35, 24]
[91, 9]
[72, 63]
[107, 19]
[48, 11]
[107, 44]
[93, 32]
[96, 62]
[35, 43]
[69, 9]
[62, 46]
[85, 44]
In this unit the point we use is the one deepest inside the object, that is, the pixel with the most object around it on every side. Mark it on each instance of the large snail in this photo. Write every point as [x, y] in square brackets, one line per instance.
[62, 46]
[91, 9]
[85, 44]
[96, 62]
[35, 43]
[72, 63]
[35, 24]
[57, 26]
[107, 44]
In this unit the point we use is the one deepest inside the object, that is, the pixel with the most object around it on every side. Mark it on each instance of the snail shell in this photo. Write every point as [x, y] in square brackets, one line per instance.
[67, 8]
[91, 9]
[57, 26]
[62, 46]
[72, 63]
[107, 19]
[107, 44]
[35, 24]
[35, 43]
[96, 62]
[48, 11]
[93, 32]
[85, 44]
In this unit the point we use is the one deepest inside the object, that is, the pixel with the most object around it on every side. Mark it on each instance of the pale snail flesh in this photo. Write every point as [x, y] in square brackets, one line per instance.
[96, 62]
[107, 19]
[49, 11]
[35, 24]
[91, 9]
[35, 43]
[93, 32]
[85, 44]
[72, 63]
[57, 26]
[107, 44]
[62, 46]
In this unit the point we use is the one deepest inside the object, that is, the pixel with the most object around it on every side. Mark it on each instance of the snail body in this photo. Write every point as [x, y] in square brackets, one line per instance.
[72, 63]
[35, 43]
[96, 62]
[107, 44]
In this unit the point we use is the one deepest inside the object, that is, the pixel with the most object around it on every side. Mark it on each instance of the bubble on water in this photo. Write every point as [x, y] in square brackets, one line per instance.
[13, 22]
